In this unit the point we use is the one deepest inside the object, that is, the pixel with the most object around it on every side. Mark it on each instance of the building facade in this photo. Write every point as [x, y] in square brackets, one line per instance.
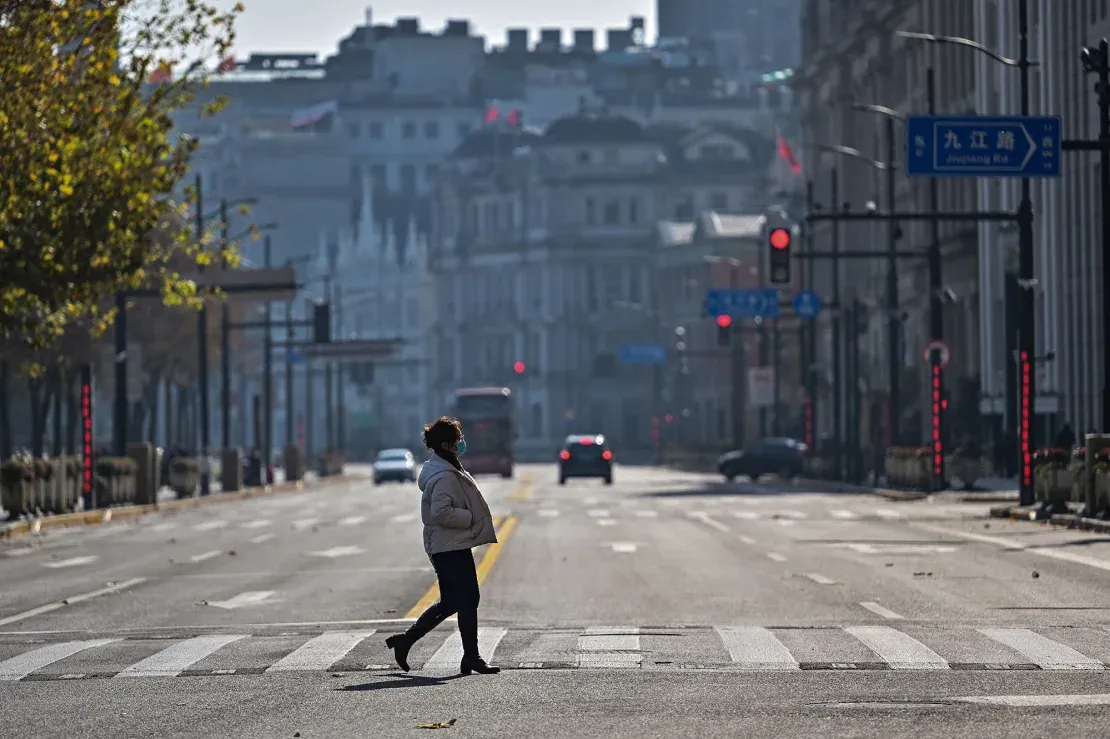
[546, 254]
[852, 54]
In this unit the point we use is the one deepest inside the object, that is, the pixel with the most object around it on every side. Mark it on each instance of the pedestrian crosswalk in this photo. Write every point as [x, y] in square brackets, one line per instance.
[739, 647]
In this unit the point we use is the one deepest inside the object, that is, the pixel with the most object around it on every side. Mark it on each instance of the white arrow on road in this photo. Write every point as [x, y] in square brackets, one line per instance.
[339, 552]
[252, 598]
[76, 561]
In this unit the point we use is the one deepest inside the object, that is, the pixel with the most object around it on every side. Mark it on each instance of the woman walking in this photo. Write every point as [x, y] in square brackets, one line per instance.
[456, 519]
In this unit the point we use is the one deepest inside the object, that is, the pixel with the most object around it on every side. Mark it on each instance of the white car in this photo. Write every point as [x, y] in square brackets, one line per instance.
[394, 464]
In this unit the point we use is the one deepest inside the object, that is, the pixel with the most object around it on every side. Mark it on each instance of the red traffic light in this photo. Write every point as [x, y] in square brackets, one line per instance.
[780, 238]
[519, 367]
[724, 321]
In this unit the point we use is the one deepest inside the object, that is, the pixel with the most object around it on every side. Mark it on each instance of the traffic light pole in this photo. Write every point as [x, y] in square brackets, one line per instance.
[225, 340]
[202, 360]
[1027, 340]
[776, 368]
[267, 375]
[809, 377]
[290, 433]
[329, 387]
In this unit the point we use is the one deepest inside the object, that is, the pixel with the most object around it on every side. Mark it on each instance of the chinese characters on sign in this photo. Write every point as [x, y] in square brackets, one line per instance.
[983, 146]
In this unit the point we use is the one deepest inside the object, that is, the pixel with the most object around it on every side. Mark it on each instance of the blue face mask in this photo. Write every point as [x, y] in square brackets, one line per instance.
[460, 447]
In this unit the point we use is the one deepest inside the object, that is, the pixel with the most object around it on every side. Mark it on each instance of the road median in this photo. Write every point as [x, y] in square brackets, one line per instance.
[17, 529]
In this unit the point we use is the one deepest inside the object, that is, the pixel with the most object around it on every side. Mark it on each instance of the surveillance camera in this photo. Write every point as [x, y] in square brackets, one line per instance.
[872, 206]
[948, 294]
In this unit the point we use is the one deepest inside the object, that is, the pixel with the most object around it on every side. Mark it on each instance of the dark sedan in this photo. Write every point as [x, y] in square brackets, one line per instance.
[775, 456]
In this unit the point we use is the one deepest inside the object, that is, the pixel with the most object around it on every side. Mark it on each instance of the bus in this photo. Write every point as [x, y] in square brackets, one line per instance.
[486, 414]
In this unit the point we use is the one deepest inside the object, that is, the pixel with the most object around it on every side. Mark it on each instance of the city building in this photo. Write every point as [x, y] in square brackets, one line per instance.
[546, 254]
[1068, 213]
[748, 37]
[852, 54]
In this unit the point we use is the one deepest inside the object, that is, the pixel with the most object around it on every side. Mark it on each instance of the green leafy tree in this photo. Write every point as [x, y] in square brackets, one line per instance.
[88, 90]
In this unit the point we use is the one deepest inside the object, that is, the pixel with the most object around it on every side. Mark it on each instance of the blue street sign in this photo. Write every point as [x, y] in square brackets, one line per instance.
[643, 354]
[757, 303]
[807, 304]
[296, 358]
[983, 146]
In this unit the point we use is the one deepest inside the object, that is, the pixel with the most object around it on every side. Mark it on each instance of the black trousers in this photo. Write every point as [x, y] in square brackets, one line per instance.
[458, 593]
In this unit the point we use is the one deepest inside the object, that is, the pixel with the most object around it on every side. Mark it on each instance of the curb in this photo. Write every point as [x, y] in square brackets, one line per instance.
[1065, 520]
[844, 487]
[92, 518]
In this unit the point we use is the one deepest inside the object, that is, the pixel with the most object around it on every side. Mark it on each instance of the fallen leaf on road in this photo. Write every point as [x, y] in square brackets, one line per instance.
[232, 553]
[66, 601]
[438, 725]
[1036, 574]
[390, 610]
[202, 602]
[889, 564]
[297, 733]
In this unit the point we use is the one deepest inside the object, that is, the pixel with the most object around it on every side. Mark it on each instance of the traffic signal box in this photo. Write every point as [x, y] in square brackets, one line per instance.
[780, 241]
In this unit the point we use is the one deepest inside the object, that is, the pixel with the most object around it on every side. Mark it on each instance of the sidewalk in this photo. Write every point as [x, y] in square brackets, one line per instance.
[988, 490]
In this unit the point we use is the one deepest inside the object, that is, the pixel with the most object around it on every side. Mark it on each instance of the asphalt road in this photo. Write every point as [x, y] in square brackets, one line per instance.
[667, 604]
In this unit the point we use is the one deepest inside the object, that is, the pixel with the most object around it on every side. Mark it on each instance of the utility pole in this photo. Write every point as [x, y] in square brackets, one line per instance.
[120, 406]
[838, 386]
[1027, 340]
[809, 377]
[341, 411]
[225, 339]
[202, 359]
[310, 396]
[1103, 72]
[893, 322]
[936, 302]
[267, 373]
[290, 423]
[776, 366]
[329, 379]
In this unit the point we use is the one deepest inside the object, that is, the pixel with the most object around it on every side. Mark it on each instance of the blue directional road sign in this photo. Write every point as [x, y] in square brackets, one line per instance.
[983, 146]
[807, 304]
[643, 354]
[757, 303]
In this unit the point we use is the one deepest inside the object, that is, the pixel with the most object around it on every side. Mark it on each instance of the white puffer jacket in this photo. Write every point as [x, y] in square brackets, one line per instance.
[452, 509]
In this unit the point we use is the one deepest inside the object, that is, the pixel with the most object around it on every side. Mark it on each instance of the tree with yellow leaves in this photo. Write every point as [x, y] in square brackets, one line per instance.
[88, 153]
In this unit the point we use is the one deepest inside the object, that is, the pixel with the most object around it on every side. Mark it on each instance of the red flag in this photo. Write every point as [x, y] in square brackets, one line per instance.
[513, 118]
[226, 65]
[492, 114]
[788, 155]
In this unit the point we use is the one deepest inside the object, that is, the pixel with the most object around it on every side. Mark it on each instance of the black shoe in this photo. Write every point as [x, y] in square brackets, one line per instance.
[400, 645]
[478, 665]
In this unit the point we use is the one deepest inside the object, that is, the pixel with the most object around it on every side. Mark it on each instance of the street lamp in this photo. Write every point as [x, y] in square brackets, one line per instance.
[1027, 343]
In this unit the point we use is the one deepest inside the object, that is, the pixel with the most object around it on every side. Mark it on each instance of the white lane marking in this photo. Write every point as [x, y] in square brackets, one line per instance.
[899, 549]
[879, 610]
[403, 518]
[605, 522]
[1042, 651]
[590, 501]
[450, 653]
[320, 652]
[756, 648]
[900, 651]
[72, 562]
[597, 513]
[549, 513]
[1036, 701]
[646, 514]
[164, 526]
[20, 552]
[776, 557]
[175, 659]
[888, 514]
[820, 579]
[199, 627]
[747, 515]
[205, 555]
[23, 665]
[305, 523]
[605, 647]
[251, 598]
[352, 520]
[70, 601]
[210, 525]
[339, 552]
[624, 547]
[785, 522]
[744, 538]
[705, 518]
[261, 539]
[257, 524]
[844, 515]
[1080, 559]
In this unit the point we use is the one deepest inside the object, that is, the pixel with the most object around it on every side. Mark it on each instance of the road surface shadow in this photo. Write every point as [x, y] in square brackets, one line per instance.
[726, 489]
[400, 680]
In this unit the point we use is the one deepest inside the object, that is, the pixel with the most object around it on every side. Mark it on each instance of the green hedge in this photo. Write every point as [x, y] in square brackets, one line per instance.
[114, 467]
[184, 466]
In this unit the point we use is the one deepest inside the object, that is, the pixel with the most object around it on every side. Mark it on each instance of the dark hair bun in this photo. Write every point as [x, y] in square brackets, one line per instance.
[443, 430]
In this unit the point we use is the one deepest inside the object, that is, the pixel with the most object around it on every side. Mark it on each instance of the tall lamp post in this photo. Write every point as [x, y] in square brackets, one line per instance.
[1027, 341]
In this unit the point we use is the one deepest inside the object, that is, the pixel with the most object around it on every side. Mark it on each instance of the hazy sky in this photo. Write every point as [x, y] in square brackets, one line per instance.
[317, 25]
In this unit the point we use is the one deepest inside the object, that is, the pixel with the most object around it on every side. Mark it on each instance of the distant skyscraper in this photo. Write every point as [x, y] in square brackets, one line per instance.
[771, 29]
